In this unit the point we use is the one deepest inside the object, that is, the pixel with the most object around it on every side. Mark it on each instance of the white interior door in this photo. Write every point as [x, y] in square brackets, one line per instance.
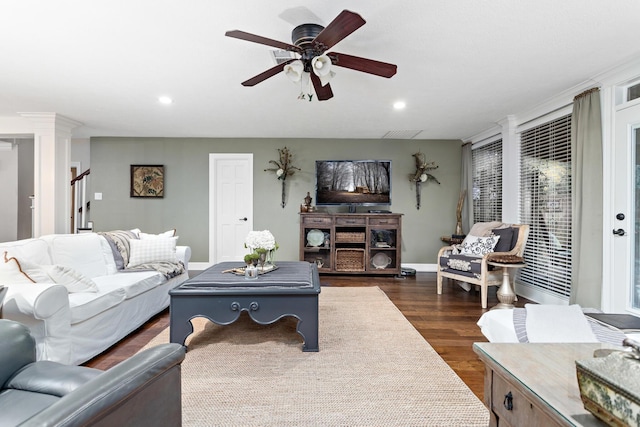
[625, 283]
[230, 205]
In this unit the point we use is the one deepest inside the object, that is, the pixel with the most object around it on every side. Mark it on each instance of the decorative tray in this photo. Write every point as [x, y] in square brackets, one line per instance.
[239, 271]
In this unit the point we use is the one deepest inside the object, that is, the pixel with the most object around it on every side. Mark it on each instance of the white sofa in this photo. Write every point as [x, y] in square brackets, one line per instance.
[73, 326]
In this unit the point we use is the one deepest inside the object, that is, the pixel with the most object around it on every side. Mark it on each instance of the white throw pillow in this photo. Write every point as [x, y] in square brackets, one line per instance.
[478, 246]
[11, 271]
[168, 233]
[35, 272]
[71, 279]
[152, 250]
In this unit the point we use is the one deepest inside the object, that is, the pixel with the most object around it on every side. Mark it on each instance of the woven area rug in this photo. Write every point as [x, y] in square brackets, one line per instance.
[373, 369]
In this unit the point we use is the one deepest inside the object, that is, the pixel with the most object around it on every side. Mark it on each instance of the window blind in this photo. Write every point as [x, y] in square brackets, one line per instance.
[487, 182]
[545, 204]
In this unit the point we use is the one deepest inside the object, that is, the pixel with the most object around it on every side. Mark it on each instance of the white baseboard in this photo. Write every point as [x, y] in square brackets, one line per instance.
[422, 268]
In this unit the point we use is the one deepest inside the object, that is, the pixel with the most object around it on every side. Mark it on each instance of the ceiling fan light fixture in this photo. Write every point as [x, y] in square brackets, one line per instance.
[294, 70]
[321, 66]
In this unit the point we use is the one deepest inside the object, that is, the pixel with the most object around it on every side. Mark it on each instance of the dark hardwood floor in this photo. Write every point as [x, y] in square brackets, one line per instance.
[447, 321]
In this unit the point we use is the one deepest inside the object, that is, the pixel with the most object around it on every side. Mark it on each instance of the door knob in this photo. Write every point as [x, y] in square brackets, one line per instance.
[620, 216]
[619, 232]
[243, 219]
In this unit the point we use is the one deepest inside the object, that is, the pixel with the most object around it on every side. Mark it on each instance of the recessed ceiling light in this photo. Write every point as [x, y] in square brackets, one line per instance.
[165, 100]
[399, 105]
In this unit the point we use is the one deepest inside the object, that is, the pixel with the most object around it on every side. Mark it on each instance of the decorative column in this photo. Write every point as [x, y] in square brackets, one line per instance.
[510, 168]
[52, 172]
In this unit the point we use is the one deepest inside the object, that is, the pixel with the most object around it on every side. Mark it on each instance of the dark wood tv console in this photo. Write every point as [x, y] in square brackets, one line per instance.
[352, 243]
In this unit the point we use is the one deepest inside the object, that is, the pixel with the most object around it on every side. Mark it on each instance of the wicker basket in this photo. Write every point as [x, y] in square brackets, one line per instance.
[349, 237]
[350, 259]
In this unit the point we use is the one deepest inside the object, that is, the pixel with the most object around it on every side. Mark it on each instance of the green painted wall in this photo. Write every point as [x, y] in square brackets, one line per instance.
[185, 205]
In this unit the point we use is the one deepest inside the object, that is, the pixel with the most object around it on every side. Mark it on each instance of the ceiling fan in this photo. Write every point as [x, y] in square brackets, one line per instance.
[310, 42]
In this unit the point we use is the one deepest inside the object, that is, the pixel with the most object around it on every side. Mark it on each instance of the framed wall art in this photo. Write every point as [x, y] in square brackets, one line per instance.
[147, 181]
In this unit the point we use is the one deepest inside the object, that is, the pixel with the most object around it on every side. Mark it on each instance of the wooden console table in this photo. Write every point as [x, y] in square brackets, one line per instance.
[344, 243]
[535, 384]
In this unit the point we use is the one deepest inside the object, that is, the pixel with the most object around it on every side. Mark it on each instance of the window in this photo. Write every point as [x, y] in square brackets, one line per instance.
[487, 182]
[633, 92]
[545, 204]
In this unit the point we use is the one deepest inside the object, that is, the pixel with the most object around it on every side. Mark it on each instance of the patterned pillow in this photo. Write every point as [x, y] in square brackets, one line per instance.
[11, 271]
[34, 271]
[478, 246]
[152, 250]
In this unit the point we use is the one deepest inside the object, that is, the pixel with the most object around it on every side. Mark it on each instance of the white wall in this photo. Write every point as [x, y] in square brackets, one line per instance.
[9, 195]
[81, 153]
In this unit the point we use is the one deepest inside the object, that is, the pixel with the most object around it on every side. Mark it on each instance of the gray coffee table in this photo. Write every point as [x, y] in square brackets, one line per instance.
[290, 290]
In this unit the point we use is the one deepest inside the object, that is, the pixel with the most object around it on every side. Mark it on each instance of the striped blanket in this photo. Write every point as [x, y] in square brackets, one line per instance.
[601, 333]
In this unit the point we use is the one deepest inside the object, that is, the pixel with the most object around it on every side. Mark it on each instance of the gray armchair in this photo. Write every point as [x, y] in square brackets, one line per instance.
[142, 390]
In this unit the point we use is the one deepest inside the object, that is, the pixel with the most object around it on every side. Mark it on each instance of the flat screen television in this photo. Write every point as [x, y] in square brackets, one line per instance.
[353, 183]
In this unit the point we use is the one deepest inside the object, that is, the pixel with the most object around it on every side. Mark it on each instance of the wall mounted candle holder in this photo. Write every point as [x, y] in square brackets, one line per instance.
[421, 174]
[283, 168]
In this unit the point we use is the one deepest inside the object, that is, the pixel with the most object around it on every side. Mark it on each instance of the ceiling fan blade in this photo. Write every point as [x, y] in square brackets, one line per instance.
[343, 25]
[382, 69]
[262, 40]
[266, 74]
[322, 92]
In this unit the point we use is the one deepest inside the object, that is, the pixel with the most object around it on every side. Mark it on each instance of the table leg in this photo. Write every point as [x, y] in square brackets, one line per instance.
[505, 294]
[308, 328]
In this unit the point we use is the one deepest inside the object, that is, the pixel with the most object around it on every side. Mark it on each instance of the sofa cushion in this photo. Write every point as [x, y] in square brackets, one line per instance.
[506, 242]
[17, 406]
[133, 283]
[465, 265]
[85, 305]
[83, 252]
[34, 250]
[152, 250]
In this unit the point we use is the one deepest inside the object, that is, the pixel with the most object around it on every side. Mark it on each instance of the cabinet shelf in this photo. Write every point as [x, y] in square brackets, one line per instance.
[353, 243]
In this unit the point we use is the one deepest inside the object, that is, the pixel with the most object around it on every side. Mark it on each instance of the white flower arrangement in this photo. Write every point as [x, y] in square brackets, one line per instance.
[260, 240]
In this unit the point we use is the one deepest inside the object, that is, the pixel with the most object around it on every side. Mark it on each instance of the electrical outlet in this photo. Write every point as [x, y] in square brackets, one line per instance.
[97, 196]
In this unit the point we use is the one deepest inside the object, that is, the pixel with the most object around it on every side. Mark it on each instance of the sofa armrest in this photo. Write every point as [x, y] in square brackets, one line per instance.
[44, 309]
[142, 390]
[183, 253]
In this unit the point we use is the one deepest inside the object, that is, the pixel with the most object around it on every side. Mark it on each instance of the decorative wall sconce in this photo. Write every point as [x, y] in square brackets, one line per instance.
[283, 169]
[421, 174]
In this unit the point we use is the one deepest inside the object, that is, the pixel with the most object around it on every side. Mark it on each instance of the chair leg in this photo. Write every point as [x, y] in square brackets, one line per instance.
[483, 295]
[439, 283]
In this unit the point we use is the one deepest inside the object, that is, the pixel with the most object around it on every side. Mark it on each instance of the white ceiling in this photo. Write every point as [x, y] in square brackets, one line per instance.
[462, 64]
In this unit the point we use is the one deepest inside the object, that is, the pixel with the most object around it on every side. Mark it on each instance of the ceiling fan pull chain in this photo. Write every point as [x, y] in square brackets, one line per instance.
[309, 90]
[302, 96]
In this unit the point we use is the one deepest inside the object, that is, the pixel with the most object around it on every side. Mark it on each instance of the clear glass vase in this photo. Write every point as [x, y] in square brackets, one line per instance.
[251, 272]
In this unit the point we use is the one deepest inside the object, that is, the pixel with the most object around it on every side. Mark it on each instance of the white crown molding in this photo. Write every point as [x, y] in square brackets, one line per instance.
[490, 133]
[616, 75]
[46, 119]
